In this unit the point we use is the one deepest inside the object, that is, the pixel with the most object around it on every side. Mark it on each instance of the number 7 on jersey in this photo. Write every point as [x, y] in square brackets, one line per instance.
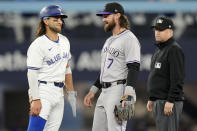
[111, 61]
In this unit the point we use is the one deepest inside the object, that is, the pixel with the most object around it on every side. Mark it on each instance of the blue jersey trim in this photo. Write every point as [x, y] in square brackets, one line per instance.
[57, 41]
[33, 68]
[133, 61]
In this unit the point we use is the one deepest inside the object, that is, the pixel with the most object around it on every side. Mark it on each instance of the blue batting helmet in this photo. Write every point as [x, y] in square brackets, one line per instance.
[52, 10]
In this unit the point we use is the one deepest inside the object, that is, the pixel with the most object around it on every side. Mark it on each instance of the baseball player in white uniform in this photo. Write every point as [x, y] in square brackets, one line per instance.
[120, 63]
[48, 72]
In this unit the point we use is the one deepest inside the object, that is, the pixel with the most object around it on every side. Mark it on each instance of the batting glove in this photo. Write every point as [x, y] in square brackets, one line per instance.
[94, 89]
[129, 90]
[73, 101]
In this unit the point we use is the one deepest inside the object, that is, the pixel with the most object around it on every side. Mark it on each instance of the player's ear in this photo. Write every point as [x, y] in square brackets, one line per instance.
[118, 15]
[45, 21]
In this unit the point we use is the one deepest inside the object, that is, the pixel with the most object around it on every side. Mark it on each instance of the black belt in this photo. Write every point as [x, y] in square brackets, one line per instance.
[58, 84]
[108, 84]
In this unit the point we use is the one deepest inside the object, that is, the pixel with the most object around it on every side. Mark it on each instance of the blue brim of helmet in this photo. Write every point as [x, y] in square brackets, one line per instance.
[103, 13]
[62, 15]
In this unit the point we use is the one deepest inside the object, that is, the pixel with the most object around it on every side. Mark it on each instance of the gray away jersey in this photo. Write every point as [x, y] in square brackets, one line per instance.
[118, 51]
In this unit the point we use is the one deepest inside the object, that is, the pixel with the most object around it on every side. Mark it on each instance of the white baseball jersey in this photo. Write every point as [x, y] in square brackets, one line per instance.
[118, 51]
[49, 57]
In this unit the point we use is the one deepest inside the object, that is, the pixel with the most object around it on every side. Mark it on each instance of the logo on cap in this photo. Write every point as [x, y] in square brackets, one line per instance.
[163, 23]
[160, 21]
[60, 9]
[111, 8]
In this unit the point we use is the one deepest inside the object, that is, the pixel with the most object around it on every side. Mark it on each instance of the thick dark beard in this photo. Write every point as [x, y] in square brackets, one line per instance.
[109, 27]
[55, 29]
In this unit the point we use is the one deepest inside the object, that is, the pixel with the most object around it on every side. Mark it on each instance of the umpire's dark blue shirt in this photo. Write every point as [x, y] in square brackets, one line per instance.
[167, 72]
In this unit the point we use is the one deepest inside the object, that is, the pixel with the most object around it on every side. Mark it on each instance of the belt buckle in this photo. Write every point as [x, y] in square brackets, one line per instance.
[107, 84]
[121, 81]
[103, 85]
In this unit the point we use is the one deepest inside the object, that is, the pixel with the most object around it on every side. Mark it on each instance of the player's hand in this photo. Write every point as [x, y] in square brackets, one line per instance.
[149, 106]
[35, 107]
[129, 91]
[88, 99]
[123, 100]
[168, 108]
[123, 103]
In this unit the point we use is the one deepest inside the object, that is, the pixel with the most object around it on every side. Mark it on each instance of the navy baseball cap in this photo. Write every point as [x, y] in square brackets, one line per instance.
[111, 8]
[163, 23]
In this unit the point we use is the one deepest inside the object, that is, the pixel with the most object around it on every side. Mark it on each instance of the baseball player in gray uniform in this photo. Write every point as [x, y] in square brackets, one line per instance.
[48, 71]
[120, 63]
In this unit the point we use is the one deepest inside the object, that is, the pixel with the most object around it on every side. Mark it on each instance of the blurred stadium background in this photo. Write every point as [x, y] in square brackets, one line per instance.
[18, 22]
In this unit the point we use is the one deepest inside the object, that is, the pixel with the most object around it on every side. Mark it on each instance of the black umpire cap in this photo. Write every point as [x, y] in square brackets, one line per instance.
[163, 23]
[111, 8]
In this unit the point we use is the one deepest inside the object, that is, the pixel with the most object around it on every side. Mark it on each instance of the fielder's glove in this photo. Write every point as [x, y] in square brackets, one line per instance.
[125, 113]
[72, 101]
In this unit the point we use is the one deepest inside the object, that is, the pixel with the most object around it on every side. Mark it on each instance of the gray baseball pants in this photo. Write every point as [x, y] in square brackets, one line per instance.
[104, 118]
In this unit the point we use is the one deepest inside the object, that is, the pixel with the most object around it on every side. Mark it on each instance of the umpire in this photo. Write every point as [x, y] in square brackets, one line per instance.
[166, 78]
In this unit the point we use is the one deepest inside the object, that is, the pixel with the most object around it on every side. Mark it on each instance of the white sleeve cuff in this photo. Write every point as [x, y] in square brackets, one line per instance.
[33, 84]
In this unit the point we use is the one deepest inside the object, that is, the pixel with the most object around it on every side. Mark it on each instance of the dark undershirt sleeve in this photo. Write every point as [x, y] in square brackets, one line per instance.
[97, 83]
[133, 70]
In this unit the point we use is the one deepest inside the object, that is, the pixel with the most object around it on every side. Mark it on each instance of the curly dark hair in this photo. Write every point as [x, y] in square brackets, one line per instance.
[41, 30]
[124, 22]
